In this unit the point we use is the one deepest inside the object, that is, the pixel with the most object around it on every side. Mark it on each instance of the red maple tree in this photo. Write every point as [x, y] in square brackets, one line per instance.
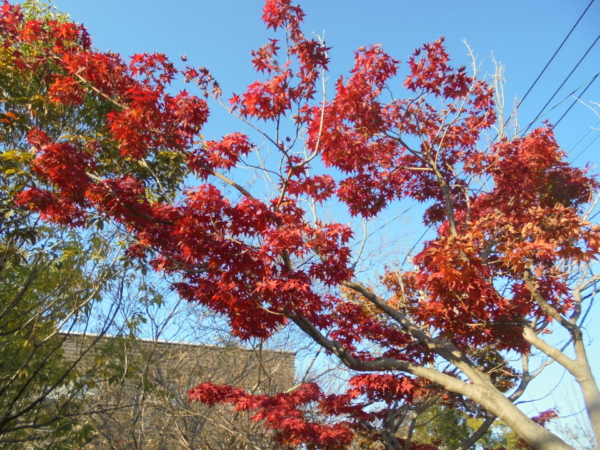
[509, 263]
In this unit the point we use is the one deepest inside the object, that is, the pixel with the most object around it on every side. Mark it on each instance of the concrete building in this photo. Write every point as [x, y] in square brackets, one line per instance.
[138, 395]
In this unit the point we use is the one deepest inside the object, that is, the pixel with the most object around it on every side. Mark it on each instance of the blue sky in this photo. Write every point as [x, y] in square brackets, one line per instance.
[522, 34]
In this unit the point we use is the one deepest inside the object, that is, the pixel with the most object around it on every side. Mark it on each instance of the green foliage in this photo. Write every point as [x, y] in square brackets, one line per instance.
[449, 428]
[45, 287]
[447, 425]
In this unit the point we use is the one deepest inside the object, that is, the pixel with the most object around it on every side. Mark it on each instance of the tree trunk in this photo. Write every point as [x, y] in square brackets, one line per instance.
[535, 435]
[589, 389]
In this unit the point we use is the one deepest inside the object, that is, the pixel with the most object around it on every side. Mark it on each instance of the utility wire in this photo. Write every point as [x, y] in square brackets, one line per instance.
[583, 135]
[548, 63]
[563, 83]
[588, 82]
[588, 145]
[555, 53]
[575, 101]
[574, 414]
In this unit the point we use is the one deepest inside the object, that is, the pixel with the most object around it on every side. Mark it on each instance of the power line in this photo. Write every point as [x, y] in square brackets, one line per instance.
[575, 101]
[583, 135]
[588, 145]
[588, 82]
[548, 63]
[574, 414]
[555, 53]
[563, 83]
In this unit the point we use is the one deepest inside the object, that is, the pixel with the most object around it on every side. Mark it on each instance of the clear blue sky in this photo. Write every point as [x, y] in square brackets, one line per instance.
[522, 34]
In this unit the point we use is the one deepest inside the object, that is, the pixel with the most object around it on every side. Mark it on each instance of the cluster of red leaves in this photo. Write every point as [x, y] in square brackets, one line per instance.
[145, 115]
[252, 284]
[287, 85]
[282, 413]
[356, 325]
[545, 416]
[343, 416]
[64, 165]
[529, 220]
[51, 207]
[365, 136]
[533, 172]
[225, 153]
[61, 35]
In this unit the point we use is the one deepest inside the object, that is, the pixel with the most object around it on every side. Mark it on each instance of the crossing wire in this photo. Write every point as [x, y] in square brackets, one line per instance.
[555, 53]
[587, 145]
[588, 83]
[562, 84]
[583, 135]
[575, 101]
[550, 61]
